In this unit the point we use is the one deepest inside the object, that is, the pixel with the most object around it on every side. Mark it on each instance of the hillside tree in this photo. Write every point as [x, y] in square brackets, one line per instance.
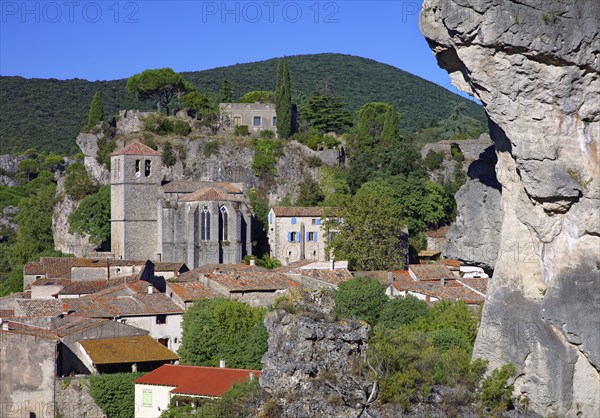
[226, 92]
[326, 113]
[391, 125]
[283, 100]
[96, 113]
[161, 86]
[360, 298]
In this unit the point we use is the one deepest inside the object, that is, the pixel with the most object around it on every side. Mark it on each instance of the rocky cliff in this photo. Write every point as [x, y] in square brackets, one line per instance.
[535, 67]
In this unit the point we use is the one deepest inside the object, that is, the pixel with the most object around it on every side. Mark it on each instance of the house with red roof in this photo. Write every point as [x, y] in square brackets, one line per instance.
[154, 390]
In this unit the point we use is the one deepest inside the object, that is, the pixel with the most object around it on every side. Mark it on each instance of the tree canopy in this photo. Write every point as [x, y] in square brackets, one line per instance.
[260, 96]
[283, 100]
[96, 113]
[161, 86]
[326, 113]
[92, 217]
[360, 298]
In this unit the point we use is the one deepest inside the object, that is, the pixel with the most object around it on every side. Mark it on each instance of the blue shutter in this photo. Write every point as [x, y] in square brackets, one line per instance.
[293, 221]
[307, 237]
[315, 234]
[318, 221]
[298, 237]
[271, 217]
[289, 237]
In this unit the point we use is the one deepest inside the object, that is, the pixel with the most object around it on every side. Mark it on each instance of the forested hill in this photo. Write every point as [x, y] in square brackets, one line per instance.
[47, 114]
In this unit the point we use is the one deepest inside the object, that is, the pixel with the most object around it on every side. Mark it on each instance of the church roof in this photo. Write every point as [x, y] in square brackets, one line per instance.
[210, 194]
[192, 186]
[136, 148]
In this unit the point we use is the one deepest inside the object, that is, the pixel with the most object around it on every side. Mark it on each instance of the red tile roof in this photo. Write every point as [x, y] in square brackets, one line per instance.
[196, 380]
[133, 349]
[167, 266]
[33, 268]
[211, 194]
[252, 281]
[136, 148]
[471, 291]
[286, 212]
[194, 274]
[137, 304]
[190, 291]
[430, 271]
[58, 267]
[192, 186]
[99, 262]
[38, 307]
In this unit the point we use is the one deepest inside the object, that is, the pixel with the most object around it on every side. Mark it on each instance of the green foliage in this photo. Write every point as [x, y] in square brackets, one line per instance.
[161, 124]
[199, 106]
[459, 125]
[496, 393]
[105, 147]
[434, 160]
[391, 125]
[326, 114]
[260, 204]
[402, 310]
[266, 134]
[26, 122]
[241, 130]
[257, 96]
[161, 86]
[266, 154]
[360, 298]
[456, 152]
[210, 148]
[371, 234]
[168, 155]
[115, 393]
[283, 100]
[52, 162]
[371, 120]
[334, 186]
[78, 183]
[92, 216]
[226, 92]
[149, 142]
[96, 113]
[13, 282]
[267, 262]
[223, 328]
[310, 193]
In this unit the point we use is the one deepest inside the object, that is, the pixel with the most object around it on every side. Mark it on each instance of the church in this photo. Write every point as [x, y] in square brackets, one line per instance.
[193, 222]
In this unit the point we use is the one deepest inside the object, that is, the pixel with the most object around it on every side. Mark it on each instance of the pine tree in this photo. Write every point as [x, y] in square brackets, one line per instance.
[96, 113]
[283, 100]
[391, 125]
[226, 93]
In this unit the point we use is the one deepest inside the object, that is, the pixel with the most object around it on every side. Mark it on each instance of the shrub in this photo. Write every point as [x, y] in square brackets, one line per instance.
[360, 298]
[161, 124]
[241, 130]
[402, 310]
[149, 142]
[434, 160]
[92, 216]
[266, 153]
[330, 141]
[105, 147]
[313, 161]
[114, 393]
[181, 127]
[78, 183]
[168, 156]
[456, 152]
[496, 393]
[266, 134]
[210, 148]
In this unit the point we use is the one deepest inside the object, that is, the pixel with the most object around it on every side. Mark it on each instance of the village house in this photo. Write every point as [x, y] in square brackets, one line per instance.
[256, 116]
[155, 390]
[297, 233]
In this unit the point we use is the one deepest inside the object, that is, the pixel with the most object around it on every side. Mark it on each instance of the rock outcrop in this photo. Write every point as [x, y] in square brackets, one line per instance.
[535, 67]
[88, 143]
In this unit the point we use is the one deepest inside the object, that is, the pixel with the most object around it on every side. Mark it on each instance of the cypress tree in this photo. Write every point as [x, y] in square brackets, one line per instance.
[283, 100]
[391, 125]
[96, 113]
[226, 93]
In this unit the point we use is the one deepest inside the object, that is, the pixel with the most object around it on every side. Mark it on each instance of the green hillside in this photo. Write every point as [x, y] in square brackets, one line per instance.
[47, 114]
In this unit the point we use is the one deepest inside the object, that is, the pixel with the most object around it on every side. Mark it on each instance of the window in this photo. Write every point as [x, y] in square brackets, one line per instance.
[311, 236]
[237, 120]
[205, 224]
[147, 165]
[274, 120]
[256, 121]
[225, 223]
[137, 166]
[294, 237]
[147, 398]
[161, 319]
[313, 221]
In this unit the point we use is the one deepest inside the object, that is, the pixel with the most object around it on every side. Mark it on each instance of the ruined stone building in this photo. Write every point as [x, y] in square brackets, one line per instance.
[185, 221]
[256, 116]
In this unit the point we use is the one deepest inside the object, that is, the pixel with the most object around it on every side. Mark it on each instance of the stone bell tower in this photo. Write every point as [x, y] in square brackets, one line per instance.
[135, 178]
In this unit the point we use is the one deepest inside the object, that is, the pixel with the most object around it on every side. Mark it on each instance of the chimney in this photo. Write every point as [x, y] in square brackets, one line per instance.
[222, 363]
[252, 262]
[390, 277]
[150, 288]
[65, 308]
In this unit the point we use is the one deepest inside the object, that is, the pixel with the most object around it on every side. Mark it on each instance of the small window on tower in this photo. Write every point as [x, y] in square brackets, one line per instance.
[147, 168]
[137, 166]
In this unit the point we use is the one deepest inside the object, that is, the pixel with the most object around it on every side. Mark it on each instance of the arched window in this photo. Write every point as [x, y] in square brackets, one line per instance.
[224, 223]
[205, 224]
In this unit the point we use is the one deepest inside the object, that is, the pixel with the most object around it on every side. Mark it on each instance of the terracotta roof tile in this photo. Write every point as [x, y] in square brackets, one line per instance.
[136, 148]
[192, 186]
[136, 304]
[471, 291]
[38, 307]
[248, 281]
[211, 194]
[190, 291]
[194, 274]
[99, 262]
[58, 267]
[286, 212]
[134, 349]
[196, 380]
[34, 267]
[430, 271]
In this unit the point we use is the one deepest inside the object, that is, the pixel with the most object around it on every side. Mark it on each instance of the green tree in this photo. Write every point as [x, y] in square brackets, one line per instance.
[168, 155]
[226, 91]
[200, 106]
[260, 96]
[161, 86]
[78, 183]
[115, 393]
[283, 100]
[96, 113]
[371, 229]
[391, 125]
[496, 393]
[360, 298]
[222, 328]
[92, 216]
[310, 193]
[326, 113]
[403, 310]
[371, 121]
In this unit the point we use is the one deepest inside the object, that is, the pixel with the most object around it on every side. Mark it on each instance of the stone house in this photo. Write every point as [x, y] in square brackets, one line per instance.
[183, 221]
[153, 391]
[256, 116]
[297, 233]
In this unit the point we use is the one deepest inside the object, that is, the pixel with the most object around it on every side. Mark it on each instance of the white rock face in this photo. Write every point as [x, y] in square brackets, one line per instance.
[88, 143]
[535, 67]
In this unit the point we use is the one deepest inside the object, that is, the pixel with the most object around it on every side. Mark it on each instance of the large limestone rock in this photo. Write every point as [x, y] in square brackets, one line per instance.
[88, 143]
[535, 67]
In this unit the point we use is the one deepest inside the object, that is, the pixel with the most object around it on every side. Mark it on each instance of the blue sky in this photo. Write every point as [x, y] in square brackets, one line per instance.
[105, 40]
